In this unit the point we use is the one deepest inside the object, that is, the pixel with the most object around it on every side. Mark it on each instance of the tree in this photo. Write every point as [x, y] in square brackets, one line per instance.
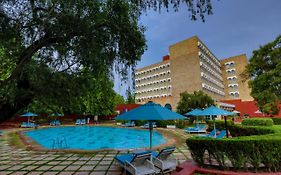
[119, 99]
[189, 102]
[46, 44]
[264, 70]
[130, 97]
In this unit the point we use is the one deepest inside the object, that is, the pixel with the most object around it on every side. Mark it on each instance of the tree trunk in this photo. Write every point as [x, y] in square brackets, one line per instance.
[8, 109]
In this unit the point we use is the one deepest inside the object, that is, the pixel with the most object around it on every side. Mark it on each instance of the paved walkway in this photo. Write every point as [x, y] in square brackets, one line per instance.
[19, 162]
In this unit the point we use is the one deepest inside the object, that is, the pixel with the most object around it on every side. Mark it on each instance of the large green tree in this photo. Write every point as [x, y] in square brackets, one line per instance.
[46, 44]
[264, 70]
[198, 99]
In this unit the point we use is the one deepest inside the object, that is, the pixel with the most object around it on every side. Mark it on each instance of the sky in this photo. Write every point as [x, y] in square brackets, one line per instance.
[236, 27]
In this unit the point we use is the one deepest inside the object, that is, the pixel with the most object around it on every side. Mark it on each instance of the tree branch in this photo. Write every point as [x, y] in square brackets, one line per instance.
[27, 54]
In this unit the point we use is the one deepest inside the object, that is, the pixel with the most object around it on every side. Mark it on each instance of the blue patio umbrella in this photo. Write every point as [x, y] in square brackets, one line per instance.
[29, 114]
[212, 110]
[195, 112]
[150, 112]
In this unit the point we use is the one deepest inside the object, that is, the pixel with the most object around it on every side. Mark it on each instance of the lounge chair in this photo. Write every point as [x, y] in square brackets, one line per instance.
[147, 125]
[57, 122]
[28, 125]
[201, 128]
[1, 133]
[137, 164]
[52, 123]
[211, 134]
[129, 124]
[83, 121]
[221, 135]
[78, 122]
[164, 160]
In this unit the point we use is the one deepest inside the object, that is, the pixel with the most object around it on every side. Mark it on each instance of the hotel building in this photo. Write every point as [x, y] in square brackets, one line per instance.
[236, 87]
[190, 67]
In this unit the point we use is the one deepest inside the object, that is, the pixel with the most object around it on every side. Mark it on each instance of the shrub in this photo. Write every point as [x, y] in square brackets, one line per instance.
[220, 125]
[164, 123]
[182, 124]
[276, 121]
[257, 122]
[140, 122]
[240, 130]
[242, 152]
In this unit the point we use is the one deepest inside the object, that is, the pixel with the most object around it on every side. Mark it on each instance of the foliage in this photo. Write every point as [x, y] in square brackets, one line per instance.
[164, 123]
[181, 124]
[130, 97]
[220, 124]
[242, 152]
[189, 102]
[46, 45]
[257, 122]
[119, 99]
[140, 122]
[240, 130]
[276, 121]
[264, 69]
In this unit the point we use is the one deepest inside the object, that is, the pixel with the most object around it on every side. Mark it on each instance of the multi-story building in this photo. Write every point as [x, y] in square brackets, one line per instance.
[236, 87]
[190, 67]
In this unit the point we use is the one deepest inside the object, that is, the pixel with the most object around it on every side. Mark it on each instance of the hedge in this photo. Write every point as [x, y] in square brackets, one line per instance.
[220, 124]
[260, 152]
[276, 121]
[240, 130]
[255, 147]
[257, 122]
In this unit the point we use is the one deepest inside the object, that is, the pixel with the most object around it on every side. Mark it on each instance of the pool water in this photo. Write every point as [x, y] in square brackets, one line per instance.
[94, 137]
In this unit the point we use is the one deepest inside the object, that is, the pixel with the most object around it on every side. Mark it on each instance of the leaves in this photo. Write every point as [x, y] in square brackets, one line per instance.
[189, 102]
[265, 70]
[45, 47]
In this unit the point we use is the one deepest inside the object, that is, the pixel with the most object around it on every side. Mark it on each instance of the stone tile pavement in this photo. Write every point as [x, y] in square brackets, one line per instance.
[22, 162]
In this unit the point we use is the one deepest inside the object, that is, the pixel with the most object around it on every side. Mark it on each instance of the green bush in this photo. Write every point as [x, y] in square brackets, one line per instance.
[121, 121]
[240, 130]
[182, 124]
[220, 124]
[164, 123]
[140, 122]
[276, 121]
[242, 152]
[257, 122]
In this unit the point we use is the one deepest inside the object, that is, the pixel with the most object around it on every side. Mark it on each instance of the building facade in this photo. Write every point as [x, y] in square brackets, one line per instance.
[190, 66]
[236, 87]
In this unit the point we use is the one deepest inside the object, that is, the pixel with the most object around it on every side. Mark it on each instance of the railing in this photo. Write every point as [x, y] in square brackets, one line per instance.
[59, 143]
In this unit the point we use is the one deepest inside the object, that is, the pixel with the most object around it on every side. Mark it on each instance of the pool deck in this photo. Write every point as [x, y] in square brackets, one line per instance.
[14, 161]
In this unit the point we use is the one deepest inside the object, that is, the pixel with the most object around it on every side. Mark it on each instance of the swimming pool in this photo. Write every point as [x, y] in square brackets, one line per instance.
[94, 137]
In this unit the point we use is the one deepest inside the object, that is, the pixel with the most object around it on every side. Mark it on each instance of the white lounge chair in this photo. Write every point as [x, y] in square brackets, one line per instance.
[83, 121]
[78, 122]
[164, 160]
[137, 164]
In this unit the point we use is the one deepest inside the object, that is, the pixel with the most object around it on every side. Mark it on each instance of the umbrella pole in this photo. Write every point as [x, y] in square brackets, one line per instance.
[28, 120]
[214, 125]
[226, 126]
[150, 139]
[150, 133]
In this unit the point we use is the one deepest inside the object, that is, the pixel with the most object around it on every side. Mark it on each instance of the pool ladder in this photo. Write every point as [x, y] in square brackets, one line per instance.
[59, 143]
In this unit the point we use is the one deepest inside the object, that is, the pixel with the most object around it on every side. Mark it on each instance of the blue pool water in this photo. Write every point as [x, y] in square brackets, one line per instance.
[94, 137]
